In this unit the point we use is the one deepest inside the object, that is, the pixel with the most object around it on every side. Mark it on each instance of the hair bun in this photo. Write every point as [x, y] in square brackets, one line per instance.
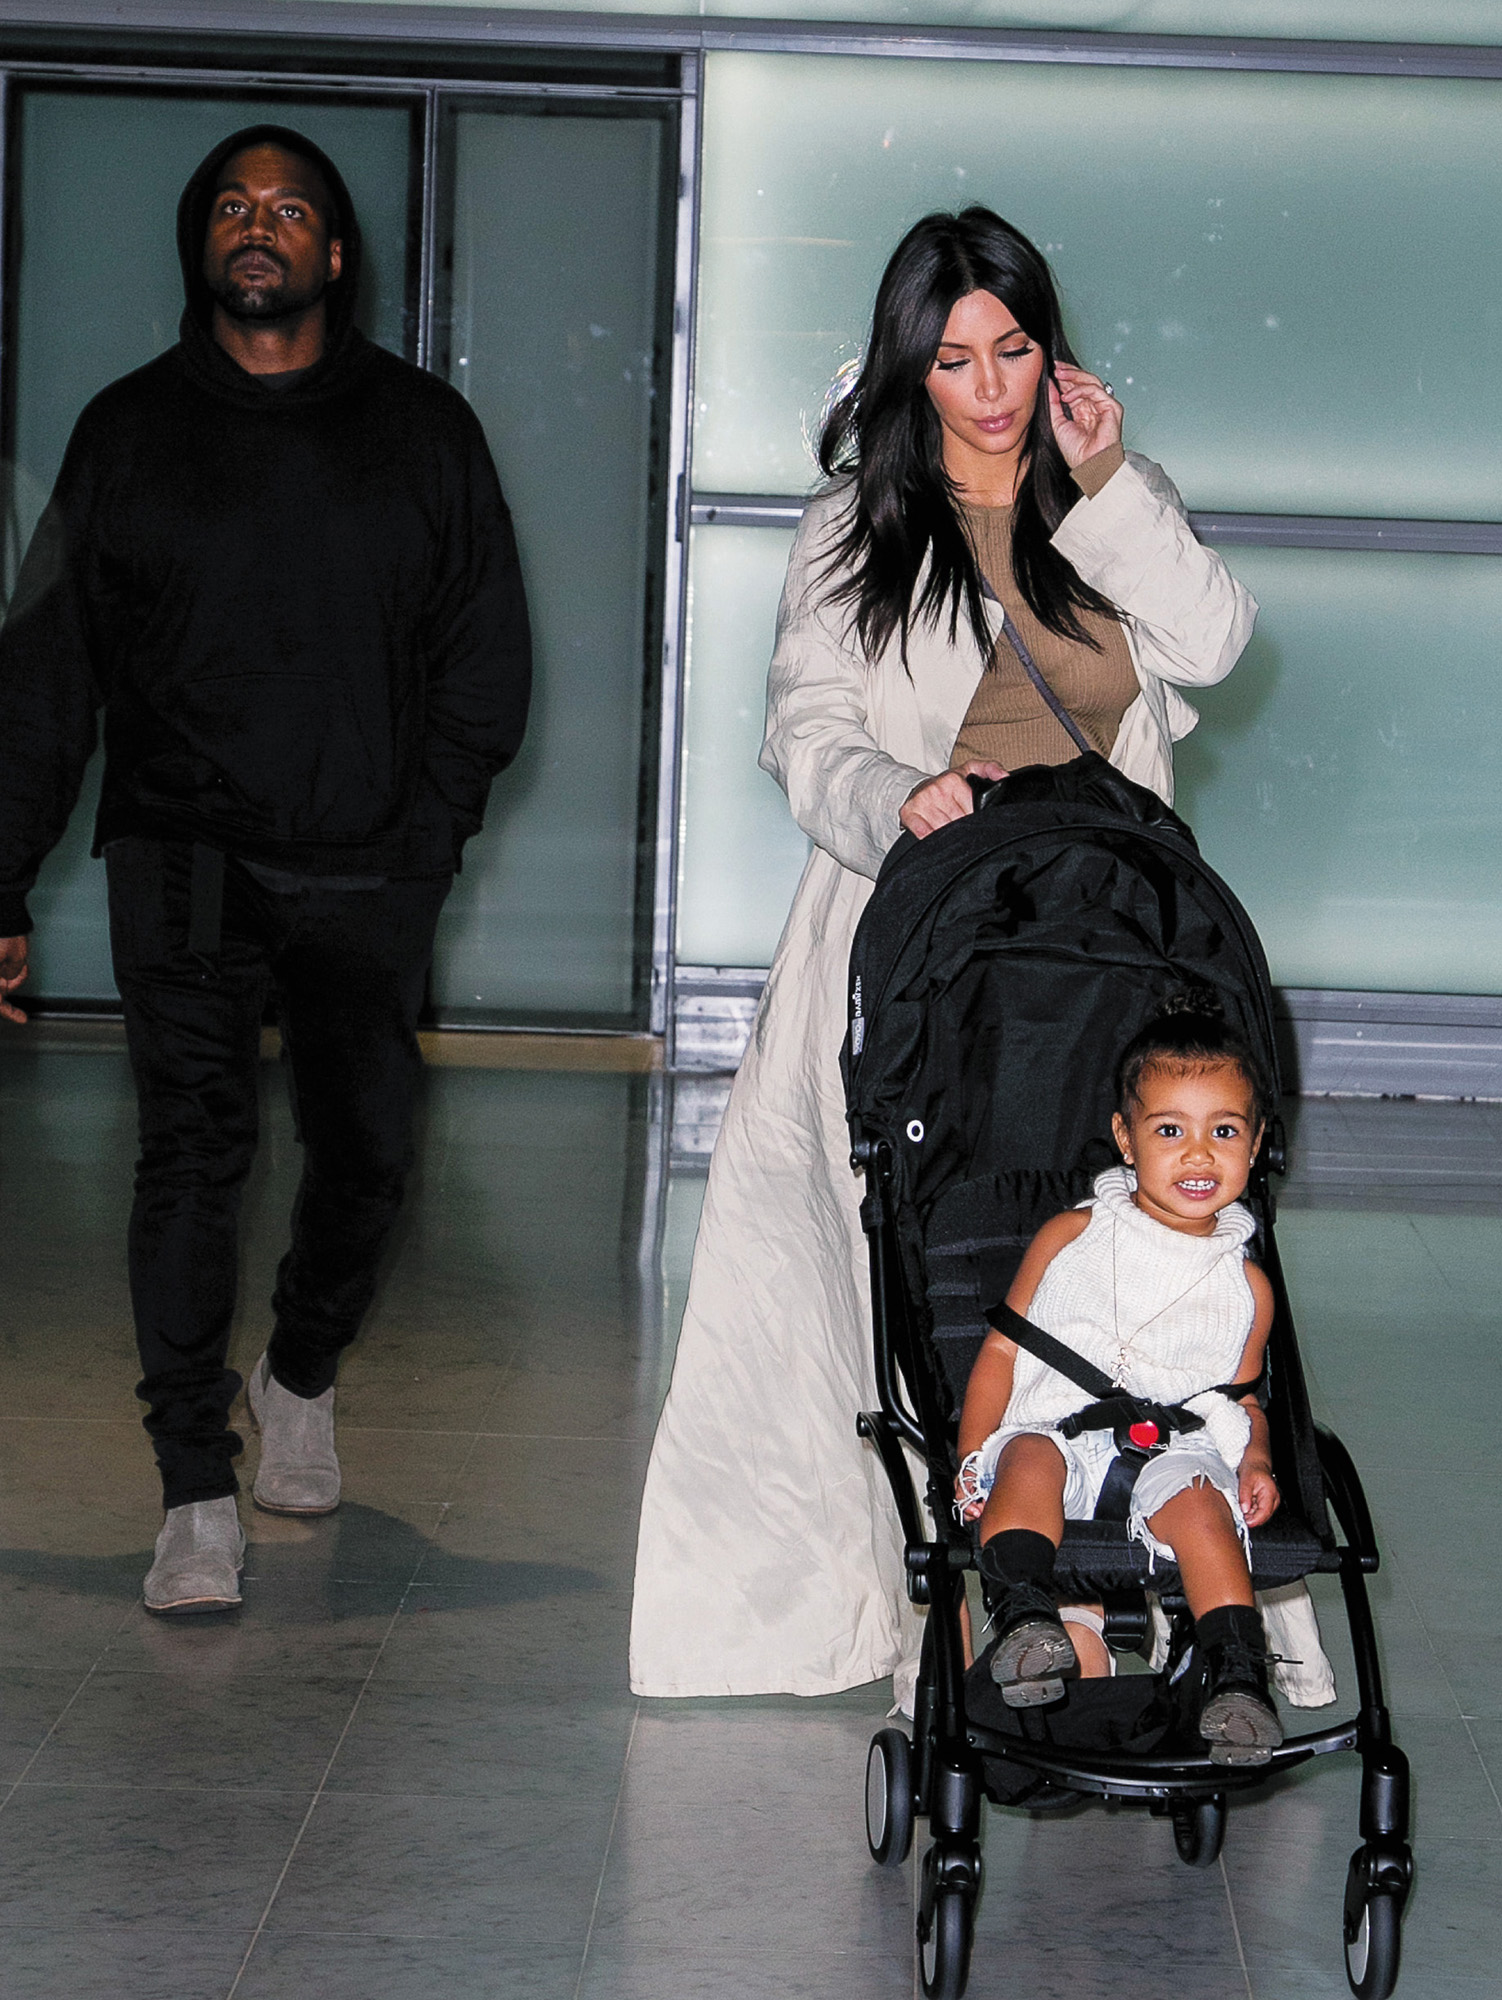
[1203, 1002]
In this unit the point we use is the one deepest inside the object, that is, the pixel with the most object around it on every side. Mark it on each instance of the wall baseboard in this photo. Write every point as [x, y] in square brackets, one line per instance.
[1332, 1044]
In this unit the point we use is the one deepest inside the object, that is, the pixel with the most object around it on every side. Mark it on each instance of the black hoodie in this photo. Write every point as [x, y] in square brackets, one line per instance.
[300, 608]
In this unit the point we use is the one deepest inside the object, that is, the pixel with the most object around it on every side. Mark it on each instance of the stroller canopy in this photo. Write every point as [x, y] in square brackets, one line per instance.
[1001, 967]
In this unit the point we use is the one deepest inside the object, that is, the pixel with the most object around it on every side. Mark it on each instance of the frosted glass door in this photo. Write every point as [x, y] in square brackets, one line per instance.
[557, 334]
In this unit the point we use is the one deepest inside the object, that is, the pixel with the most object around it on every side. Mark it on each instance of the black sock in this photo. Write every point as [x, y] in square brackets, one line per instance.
[1234, 1624]
[1018, 1555]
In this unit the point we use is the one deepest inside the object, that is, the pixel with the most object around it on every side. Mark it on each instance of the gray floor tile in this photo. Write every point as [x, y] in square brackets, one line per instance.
[400, 1466]
[773, 1970]
[557, 1397]
[358, 1544]
[1124, 1964]
[421, 1397]
[33, 1701]
[1453, 1796]
[1473, 1664]
[578, 1500]
[556, 1627]
[484, 1742]
[1416, 1677]
[444, 1867]
[728, 1797]
[211, 1733]
[1288, 1888]
[85, 1856]
[1487, 1737]
[62, 1612]
[291, 1965]
[73, 1487]
[1096, 1886]
[329, 1629]
[119, 1962]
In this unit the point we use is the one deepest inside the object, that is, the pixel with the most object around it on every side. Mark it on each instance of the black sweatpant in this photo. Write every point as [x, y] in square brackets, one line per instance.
[349, 967]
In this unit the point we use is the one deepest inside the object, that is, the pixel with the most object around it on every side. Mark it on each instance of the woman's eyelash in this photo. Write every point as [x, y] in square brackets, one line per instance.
[1008, 354]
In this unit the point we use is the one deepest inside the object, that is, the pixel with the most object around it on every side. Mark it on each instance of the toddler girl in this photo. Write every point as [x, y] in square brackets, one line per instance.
[1150, 1283]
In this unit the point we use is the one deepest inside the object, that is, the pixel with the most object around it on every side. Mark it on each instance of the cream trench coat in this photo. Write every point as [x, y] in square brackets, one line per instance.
[769, 1559]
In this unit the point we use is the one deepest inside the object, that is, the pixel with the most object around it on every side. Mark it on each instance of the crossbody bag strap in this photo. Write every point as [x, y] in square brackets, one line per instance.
[1019, 646]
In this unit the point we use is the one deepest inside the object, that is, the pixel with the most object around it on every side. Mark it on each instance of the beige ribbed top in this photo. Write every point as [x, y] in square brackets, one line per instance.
[1008, 721]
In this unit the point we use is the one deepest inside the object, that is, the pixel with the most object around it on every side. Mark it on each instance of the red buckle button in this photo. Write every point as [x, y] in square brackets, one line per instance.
[1144, 1436]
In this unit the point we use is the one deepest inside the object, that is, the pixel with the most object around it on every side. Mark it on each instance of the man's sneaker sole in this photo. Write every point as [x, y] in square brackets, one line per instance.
[1029, 1663]
[299, 1513]
[191, 1604]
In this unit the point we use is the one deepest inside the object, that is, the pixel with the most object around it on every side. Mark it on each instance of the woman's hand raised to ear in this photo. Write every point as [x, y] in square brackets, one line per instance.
[939, 800]
[1086, 418]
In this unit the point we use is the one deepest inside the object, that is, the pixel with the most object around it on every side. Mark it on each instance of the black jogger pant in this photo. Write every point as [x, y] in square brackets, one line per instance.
[349, 967]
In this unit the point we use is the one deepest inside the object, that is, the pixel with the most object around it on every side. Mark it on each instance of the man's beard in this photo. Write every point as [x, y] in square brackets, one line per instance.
[261, 299]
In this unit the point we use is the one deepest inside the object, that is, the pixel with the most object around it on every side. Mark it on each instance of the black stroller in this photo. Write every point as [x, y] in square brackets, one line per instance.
[998, 968]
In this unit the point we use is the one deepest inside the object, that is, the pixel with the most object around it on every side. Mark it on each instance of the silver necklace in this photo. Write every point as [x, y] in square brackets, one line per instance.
[1123, 1346]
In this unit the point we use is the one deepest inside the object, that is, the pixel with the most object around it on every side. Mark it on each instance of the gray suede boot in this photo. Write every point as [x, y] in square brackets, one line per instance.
[299, 1469]
[199, 1555]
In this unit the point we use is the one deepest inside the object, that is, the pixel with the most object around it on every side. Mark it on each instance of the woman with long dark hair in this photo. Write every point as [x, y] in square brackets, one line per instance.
[986, 581]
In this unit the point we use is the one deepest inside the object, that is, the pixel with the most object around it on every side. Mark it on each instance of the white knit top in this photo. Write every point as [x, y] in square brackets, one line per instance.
[1164, 1314]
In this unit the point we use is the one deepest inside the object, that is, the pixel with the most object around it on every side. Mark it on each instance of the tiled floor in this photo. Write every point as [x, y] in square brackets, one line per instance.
[411, 1765]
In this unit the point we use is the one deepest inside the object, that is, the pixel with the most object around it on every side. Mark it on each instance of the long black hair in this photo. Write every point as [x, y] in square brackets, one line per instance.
[884, 430]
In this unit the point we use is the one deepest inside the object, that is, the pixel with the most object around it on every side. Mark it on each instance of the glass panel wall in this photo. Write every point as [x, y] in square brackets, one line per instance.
[98, 291]
[1236, 251]
[1343, 779]
[740, 853]
[559, 337]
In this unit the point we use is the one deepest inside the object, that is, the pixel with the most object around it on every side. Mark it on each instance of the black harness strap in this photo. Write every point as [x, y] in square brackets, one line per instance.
[1052, 1353]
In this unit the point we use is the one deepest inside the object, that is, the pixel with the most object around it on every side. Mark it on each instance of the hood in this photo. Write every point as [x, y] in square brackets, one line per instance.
[193, 216]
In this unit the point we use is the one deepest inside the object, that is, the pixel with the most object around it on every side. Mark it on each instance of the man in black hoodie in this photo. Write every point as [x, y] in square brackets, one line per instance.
[278, 560]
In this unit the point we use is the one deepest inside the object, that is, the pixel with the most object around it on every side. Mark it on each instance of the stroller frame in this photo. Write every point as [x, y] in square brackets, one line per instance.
[938, 1774]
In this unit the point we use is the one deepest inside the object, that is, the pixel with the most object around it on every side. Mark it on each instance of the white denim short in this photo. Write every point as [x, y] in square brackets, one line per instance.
[1188, 1461]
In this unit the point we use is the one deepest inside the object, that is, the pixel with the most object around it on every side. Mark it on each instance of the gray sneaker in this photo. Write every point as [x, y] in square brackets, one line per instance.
[299, 1469]
[199, 1555]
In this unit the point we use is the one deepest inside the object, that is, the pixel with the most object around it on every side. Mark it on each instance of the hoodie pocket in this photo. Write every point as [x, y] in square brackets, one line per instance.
[282, 755]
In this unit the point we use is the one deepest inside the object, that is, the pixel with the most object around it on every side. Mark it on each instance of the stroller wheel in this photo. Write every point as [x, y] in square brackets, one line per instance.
[889, 1797]
[1372, 1930]
[1199, 1827]
[944, 1952]
[946, 1917]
